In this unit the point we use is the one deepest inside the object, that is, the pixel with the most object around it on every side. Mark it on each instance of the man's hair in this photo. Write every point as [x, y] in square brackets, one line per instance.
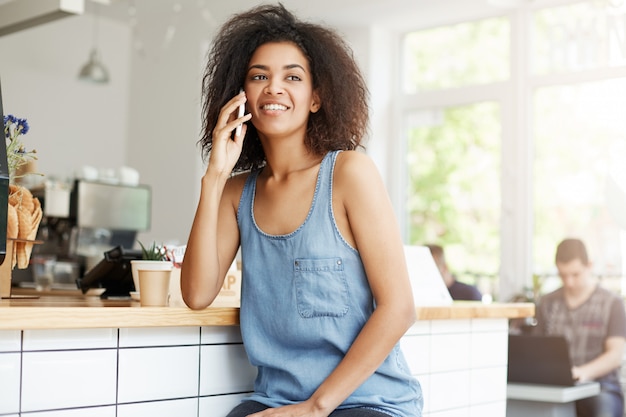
[571, 249]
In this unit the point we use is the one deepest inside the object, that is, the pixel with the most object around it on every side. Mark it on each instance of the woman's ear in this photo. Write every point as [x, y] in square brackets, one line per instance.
[316, 103]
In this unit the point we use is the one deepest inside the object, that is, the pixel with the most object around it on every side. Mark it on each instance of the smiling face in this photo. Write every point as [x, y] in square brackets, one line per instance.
[279, 90]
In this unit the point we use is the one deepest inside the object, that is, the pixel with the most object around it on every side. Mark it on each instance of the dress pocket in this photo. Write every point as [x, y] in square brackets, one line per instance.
[321, 287]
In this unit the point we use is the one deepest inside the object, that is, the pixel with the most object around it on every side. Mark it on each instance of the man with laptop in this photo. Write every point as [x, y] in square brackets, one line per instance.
[593, 321]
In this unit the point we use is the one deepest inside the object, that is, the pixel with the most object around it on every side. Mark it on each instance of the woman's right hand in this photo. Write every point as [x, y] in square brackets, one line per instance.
[226, 144]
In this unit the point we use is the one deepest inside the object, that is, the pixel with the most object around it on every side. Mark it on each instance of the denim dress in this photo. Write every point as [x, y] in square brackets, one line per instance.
[304, 299]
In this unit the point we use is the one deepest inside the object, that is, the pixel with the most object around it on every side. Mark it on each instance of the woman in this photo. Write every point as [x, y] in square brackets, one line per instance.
[325, 289]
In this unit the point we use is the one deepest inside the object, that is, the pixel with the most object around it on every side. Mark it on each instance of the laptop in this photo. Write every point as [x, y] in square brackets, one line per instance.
[541, 360]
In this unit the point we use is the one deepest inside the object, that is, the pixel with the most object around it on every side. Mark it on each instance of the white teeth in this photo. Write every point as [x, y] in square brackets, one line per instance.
[274, 107]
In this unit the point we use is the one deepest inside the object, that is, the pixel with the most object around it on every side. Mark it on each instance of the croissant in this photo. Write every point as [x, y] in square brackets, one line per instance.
[12, 222]
[28, 212]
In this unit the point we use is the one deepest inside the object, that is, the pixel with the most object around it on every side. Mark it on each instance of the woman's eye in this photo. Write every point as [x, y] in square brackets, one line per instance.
[259, 77]
[294, 78]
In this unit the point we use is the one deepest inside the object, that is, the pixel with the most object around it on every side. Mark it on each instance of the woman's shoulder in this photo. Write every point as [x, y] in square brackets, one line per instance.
[356, 172]
[354, 163]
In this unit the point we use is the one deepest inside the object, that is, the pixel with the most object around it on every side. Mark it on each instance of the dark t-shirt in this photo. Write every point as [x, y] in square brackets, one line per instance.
[585, 327]
[461, 291]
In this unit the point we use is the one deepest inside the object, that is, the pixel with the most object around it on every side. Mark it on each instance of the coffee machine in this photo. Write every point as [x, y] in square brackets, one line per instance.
[82, 222]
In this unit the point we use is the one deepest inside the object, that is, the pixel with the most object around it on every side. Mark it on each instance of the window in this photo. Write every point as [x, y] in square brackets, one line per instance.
[552, 130]
[453, 152]
[457, 55]
[580, 135]
[584, 35]
[454, 196]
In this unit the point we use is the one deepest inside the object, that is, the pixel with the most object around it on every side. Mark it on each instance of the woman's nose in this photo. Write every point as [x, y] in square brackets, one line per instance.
[273, 87]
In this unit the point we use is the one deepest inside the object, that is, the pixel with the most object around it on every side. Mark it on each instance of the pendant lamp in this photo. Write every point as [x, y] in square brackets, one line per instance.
[94, 71]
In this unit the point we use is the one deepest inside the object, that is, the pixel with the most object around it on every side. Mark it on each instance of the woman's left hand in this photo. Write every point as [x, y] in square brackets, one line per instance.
[304, 409]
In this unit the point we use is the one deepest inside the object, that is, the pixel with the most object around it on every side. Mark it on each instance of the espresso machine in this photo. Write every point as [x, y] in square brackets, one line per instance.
[82, 222]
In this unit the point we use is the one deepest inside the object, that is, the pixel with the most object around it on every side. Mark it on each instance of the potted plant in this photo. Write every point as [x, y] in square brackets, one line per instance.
[153, 253]
[154, 258]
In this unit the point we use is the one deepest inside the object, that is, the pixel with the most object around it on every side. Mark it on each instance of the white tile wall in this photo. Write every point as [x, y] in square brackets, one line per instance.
[449, 352]
[486, 385]
[466, 370]
[228, 371]
[10, 340]
[158, 373]
[449, 390]
[66, 379]
[54, 339]
[458, 412]
[490, 325]
[192, 371]
[222, 334]
[488, 349]
[416, 350]
[80, 412]
[9, 382]
[421, 327]
[178, 408]
[450, 326]
[159, 336]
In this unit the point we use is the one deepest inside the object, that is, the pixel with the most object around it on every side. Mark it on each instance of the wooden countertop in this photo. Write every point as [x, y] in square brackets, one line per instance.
[73, 310]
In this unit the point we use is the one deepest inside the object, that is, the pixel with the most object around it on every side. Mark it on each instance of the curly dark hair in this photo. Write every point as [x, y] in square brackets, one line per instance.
[341, 122]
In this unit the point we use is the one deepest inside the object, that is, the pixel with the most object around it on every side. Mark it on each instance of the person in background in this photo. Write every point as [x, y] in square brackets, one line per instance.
[325, 294]
[458, 290]
[593, 321]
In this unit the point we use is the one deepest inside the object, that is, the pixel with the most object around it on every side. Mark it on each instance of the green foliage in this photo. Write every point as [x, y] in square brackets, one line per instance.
[153, 253]
[454, 187]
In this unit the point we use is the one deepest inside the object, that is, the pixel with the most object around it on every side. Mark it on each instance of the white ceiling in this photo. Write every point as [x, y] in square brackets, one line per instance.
[396, 14]
[342, 13]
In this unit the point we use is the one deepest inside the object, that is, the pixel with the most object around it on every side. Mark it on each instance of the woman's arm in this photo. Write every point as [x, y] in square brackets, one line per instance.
[372, 226]
[214, 236]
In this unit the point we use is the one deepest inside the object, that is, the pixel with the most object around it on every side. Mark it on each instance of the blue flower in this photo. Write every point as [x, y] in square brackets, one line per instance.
[17, 154]
[22, 124]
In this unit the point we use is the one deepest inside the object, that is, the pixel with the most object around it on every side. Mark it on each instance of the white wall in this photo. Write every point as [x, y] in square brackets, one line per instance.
[164, 124]
[147, 117]
[72, 123]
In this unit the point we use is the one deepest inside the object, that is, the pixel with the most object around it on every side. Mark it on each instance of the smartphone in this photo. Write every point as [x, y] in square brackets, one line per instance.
[240, 113]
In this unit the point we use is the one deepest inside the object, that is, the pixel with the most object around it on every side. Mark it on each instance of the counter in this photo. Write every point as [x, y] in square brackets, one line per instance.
[73, 310]
[74, 356]
[78, 312]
